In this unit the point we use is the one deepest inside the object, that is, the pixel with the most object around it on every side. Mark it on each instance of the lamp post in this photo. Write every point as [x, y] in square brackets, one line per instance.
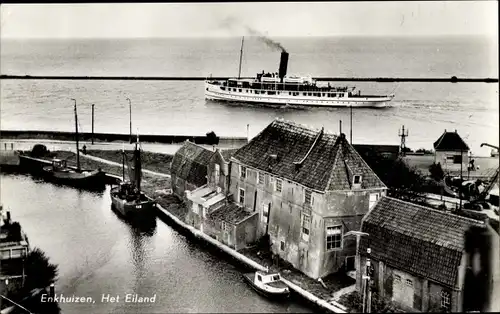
[92, 124]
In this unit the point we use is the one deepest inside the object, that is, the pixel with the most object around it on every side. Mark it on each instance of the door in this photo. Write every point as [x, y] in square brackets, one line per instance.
[403, 289]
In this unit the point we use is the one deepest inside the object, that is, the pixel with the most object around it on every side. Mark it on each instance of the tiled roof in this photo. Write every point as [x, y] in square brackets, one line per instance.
[417, 239]
[450, 141]
[190, 163]
[327, 161]
[228, 153]
[230, 213]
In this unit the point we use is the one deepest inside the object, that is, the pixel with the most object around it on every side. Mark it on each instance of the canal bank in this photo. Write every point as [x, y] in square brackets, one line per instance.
[319, 303]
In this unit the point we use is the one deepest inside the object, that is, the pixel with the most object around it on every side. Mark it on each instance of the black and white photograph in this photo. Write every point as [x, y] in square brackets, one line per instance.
[249, 157]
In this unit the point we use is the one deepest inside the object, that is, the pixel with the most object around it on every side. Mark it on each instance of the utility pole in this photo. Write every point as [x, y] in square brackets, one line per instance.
[130, 119]
[461, 178]
[403, 136]
[369, 272]
[92, 124]
[351, 126]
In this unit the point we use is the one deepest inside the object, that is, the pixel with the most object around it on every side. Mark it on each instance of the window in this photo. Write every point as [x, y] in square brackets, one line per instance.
[305, 226]
[200, 209]
[259, 278]
[397, 278]
[260, 178]
[307, 197]
[225, 226]
[373, 200]
[243, 172]
[445, 300]
[357, 179]
[333, 237]
[16, 253]
[265, 212]
[457, 159]
[278, 185]
[217, 173]
[241, 197]
[282, 247]
[409, 283]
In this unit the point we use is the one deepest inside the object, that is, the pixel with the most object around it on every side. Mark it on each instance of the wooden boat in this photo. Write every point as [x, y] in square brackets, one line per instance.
[127, 198]
[269, 285]
[61, 173]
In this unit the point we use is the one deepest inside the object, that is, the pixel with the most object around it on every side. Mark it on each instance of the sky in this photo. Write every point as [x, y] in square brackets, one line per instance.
[357, 18]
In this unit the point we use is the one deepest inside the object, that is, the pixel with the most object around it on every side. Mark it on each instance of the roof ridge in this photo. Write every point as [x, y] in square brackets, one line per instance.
[355, 152]
[437, 211]
[440, 139]
[332, 172]
[197, 145]
[318, 136]
[305, 126]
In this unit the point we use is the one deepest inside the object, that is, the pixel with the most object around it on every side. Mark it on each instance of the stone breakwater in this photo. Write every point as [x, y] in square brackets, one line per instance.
[115, 137]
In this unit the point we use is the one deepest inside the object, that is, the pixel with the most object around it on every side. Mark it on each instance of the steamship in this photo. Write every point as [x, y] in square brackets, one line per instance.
[280, 89]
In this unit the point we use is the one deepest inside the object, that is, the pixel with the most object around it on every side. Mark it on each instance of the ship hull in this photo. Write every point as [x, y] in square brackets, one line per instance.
[92, 180]
[144, 207]
[214, 92]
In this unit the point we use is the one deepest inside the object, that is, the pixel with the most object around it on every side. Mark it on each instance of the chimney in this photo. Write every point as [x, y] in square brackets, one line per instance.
[8, 217]
[283, 65]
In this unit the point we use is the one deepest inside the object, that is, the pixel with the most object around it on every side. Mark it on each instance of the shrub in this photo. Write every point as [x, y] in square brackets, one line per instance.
[354, 302]
[39, 150]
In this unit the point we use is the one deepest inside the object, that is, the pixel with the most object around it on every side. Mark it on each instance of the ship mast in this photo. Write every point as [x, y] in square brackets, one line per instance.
[76, 138]
[137, 164]
[241, 55]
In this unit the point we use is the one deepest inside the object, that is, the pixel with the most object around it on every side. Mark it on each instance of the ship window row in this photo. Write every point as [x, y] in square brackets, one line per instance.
[271, 92]
[305, 101]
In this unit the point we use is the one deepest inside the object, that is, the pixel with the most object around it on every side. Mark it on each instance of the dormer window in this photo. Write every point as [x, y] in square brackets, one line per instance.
[357, 179]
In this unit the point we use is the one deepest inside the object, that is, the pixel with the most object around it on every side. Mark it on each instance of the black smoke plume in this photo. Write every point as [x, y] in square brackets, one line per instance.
[231, 22]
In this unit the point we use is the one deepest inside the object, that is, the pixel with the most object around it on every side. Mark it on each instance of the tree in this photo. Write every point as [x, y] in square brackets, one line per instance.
[212, 138]
[436, 172]
[403, 181]
[40, 273]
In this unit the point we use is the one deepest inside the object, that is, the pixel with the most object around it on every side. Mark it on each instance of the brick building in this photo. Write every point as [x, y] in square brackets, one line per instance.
[417, 253]
[309, 188]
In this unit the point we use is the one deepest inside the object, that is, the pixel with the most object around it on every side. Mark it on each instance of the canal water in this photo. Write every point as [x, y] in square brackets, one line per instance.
[99, 254]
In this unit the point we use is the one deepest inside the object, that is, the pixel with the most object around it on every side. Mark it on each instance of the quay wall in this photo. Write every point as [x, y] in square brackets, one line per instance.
[115, 137]
[322, 304]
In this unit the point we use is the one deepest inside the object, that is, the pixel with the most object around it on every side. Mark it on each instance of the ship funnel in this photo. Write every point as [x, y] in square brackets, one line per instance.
[283, 65]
